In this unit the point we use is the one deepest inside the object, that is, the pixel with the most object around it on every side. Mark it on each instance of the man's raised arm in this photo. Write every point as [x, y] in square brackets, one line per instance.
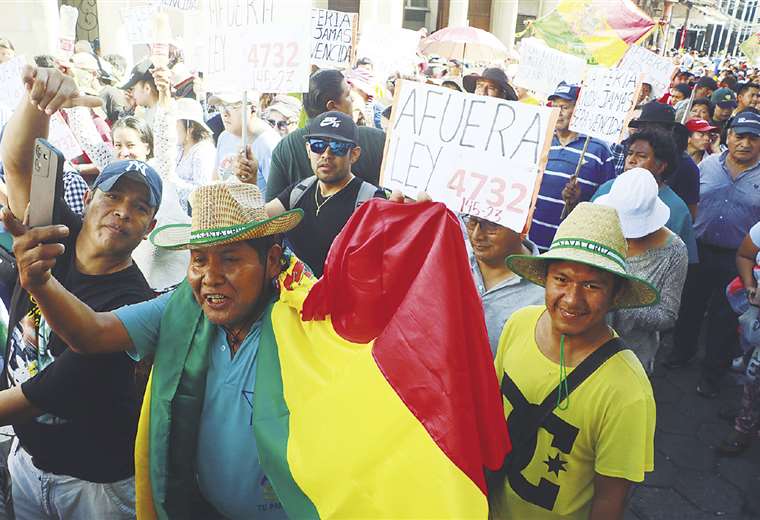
[80, 327]
[47, 90]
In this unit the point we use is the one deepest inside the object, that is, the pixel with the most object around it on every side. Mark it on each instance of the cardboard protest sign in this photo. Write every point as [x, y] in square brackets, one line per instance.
[180, 5]
[333, 38]
[138, 21]
[61, 137]
[657, 70]
[259, 44]
[479, 155]
[606, 103]
[542, 68]
[11, 87]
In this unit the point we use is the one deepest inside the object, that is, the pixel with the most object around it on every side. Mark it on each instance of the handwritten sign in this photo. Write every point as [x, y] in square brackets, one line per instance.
[138, 21]
[180, 5]
[478, 155]
[61, 137]
[11, 87]
[333, 35]
[657, 70]
[259, 44]
[543, 68]
[606, 103]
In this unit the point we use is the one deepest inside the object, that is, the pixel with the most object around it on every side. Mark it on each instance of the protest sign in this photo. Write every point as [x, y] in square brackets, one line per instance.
[67, 29]
[391, 49]
[259, 44]
[11, 87]
[479, 155]
[180, 5]
[606, 103]
[542, 68]
[657, 70]
[138, 21]
[333, 38]
[61, 137]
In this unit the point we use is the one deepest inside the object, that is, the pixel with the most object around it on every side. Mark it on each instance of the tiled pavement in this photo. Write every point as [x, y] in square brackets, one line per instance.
[690, 481]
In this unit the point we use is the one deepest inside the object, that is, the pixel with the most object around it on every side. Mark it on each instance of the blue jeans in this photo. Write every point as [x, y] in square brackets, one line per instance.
[38, 495]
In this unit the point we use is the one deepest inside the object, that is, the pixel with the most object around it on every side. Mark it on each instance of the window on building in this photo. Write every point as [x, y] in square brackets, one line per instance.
[416, 14]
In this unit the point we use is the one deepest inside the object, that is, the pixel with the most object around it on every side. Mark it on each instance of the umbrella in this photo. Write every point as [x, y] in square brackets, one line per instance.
[468, 44]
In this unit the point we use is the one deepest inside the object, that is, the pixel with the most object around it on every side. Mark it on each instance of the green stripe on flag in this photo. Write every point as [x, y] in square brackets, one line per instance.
[270, 425]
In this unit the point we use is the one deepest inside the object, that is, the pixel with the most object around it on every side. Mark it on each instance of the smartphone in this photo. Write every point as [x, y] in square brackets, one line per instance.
[47, 183]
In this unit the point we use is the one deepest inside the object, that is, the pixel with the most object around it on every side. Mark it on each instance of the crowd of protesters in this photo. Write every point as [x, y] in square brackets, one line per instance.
[654, 236]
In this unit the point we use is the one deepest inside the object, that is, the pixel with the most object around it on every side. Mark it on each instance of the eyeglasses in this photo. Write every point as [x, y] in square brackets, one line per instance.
[338, 148]
[280, 125]
[486, 226]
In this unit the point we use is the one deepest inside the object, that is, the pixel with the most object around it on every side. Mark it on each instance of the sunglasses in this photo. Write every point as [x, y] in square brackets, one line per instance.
[338, 148]
[280, 125]
[487, 227]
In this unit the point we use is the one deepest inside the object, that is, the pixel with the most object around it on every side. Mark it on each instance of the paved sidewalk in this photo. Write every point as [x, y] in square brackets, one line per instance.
[690, 481]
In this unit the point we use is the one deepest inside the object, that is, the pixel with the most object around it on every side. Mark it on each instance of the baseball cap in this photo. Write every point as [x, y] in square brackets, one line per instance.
[140, 72]
[335, 126]
[746, 123]
[233, 98]
[566, 91]
[700, 125]
[136, 170]
[724, 98]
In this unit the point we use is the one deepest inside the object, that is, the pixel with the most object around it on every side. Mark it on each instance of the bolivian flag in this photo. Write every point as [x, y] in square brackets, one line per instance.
[381, 400]
[598, 30]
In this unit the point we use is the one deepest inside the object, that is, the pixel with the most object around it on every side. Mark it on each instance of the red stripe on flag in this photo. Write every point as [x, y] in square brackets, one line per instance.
[629, 22]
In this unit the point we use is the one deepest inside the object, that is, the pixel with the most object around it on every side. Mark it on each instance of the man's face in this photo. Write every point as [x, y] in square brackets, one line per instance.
[117, 220]
[343, 103]
[578, 297]
[743, 148]
[699, 140]
[748, 98]
[232, 118]
[491, 242]
[722, 113]
[141, 93]
[566, 109]
[229, 280]
[699, 112]
[128, 144]
[702, 92]
[281, 123]
[675, 96]
[6, 54]
[329, 167]
[486, 87]
[641, 155]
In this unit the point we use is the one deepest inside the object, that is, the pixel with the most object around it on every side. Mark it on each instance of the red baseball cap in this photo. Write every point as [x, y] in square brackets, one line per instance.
[700, 125]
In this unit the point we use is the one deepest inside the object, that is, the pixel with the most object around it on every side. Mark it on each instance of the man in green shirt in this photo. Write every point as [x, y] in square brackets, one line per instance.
[290, 162]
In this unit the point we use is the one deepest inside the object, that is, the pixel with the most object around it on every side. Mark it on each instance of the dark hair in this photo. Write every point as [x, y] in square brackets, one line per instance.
[324, 86]
[139, 126]
[262, 245]
[663, 146]
[45, 61]
[196, 131]
[731, 82]
[705, 102]
[744, 87]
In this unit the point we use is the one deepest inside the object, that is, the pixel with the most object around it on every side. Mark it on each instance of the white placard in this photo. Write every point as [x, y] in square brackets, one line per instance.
[180, 5]
[333, 36]
[259, 44]
[657, 70]
[479, 155]
[542, 68]
[11, 87]
[138, 21]
[61, 137]
[391, 49]
[606, 103]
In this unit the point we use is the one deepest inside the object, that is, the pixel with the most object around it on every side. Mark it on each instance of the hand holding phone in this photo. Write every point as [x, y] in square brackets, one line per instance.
[47, 183]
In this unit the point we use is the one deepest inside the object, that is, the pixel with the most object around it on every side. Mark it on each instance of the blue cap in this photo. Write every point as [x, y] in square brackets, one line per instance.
[137, 170]
[746, 123]
[566, 91]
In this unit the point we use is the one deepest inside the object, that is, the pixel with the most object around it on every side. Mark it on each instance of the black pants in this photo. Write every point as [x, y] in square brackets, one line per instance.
[705, 289]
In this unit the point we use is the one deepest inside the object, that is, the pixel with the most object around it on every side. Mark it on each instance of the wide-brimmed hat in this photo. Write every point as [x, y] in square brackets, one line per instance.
[655, 112]
[590, 235]
[634, 195]
[222, 214]
[191, 110]
[494, 74]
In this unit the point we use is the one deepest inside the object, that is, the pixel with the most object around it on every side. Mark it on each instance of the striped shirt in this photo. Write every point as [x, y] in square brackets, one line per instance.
[597, 169]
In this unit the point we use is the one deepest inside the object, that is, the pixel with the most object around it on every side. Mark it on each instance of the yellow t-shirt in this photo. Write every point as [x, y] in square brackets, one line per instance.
[607, 429]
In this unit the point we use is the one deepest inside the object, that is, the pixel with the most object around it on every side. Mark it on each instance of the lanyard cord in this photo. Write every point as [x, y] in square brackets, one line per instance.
[562, 378]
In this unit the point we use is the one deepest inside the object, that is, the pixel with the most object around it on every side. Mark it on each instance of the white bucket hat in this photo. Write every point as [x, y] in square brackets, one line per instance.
[634, 194]
[191, 110]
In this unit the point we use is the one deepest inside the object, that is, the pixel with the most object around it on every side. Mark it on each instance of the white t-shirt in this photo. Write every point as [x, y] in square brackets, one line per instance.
[228, 146]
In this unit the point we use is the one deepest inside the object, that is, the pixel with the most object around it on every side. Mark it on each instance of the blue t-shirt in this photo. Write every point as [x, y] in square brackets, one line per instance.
[229, 473]
[679, 222]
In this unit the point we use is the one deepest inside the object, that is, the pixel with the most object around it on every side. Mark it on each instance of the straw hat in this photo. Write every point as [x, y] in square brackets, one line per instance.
[590, 235]
[222, 214]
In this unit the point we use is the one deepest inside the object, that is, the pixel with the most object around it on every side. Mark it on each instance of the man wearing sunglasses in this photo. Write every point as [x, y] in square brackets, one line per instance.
[501, 290]
[329, 198]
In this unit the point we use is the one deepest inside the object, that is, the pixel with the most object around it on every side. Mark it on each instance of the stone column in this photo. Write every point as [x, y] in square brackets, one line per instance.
[458, 13]
[504, 20]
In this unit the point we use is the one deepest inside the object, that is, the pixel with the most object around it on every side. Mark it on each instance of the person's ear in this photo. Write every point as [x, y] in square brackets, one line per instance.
[330, 106]
[356, 152]
[150, 229]
[88, 196]
[274, 266]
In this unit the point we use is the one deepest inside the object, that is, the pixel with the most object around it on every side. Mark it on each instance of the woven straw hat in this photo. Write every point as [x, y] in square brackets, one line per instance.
[222, 214]
[590, 235]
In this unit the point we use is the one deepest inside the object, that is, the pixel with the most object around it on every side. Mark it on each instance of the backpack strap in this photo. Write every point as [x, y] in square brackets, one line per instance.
[299, 189]
[366, 192]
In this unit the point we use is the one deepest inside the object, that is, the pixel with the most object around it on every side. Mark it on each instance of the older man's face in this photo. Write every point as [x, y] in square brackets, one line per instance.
[743, 148]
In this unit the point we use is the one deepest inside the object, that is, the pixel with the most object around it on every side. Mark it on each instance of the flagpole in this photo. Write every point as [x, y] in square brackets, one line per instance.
[245, 123]
[574, 178]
